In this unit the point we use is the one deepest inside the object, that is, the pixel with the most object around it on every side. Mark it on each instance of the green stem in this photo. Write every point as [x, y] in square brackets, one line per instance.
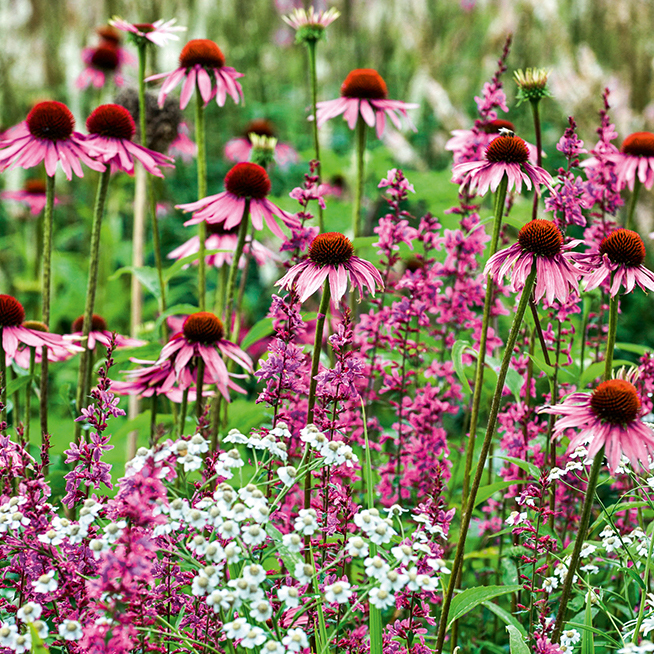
[488, 439]
[45, 299]
[500, 198]
[610, 339]
[200, 137]
[3, 379]
[315, 363]
[361, 130]
[641, 610]
[28, 394]
[629, 219]
[590, 490]
[231, 280]
[199, 400]
[91, 288]
[153, 418]
[182, 415]
[539, 150]
[311, 48]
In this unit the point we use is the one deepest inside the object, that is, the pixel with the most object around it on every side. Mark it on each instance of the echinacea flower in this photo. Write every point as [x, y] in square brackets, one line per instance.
[111, 129]
[99, 63]
[540, 242]
[634, 161]
[183, 146]
[159, 32]
[100, 334]
[223, 243]
[244, 183]
[47, 135]
[203, 337]
[201, 63]
[364, 93]
[532, 84]
[506, 155]
[58, 347]
[309, 24]
[619, 259]
[609, 417]
[32, 196]
[331, 255]
[15, 332]
[239, 149]
[111, 37]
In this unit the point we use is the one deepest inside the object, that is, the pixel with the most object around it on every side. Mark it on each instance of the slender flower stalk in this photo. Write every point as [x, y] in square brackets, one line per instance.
[94, 261]
[311, 49]
[629, 218]
[231, 280]
[488, 439]
[361, 134]
[45, 298]
[200, 137]
[500, 198]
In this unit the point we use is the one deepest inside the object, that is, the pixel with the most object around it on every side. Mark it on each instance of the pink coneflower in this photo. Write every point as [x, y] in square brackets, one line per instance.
[100, 334]
[539, 241]
[59, 348]
[364, 93]
[47, 135]
[111, 37]
[220, 239]
[32, 196]
[610, 417]
[16, 333]
[245, 182]
[331, 255]
[100, 62]
[239, 149]
[467, 141]
[506, 155]
[199, 62]
[301, 19]
[203, 337]
[159, 32]
[620, 259]
[635, 160]
[111, 129]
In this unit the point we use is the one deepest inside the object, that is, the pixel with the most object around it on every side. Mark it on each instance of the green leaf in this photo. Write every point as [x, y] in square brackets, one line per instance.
[516, 641]
[505, 616]
[486, 491]
[458, 349]
[169, 273]
[146, 275]
[596, 370]
[38, 646]
[533, 470]
[258, 331]
[18, 384]
[633, 347]
[472, 597]
[364, 241]
[291, 559]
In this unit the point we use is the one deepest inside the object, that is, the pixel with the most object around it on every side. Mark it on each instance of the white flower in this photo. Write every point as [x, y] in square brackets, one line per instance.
[292, 542]
[648, 625]
[23, 643]
[427, 583]
[587, 549]
[550, 583]
[289, 595]
[113, 530]
[254, 535]
[439, 566]
[235, 436]
[611, 543]
[29, 612]
[98, 546]
[8, 633]
[367, 520]
[70, 630]
[281, 431]
[231, 459]
[214, 599]
[254, 574]
[273, 647]
[570, 637]
[261, 610]
[338, 592]
[51, 537]
[516, 518]
[211, 572]
[195, 518]
[382, 533]
[376, 567]
[556, 474]
[240, 512]
[561, 570]
[303, 573]
[295, 640]
[590, 569]
[381, 598]
[232, 552]
[198, 445]
[580, 452]
[237, 628]
[255, 637]
[198, 544]
[288, 475]
[41, 629]
[331, 452]
[18, 520]
[46, 583]
[177, 508]
[394, 580]
[229, 529]
[246, 590]
[356, 546]
[76, 533]
[201, 586]
[307, 522]
[403, 554]
[311, 435]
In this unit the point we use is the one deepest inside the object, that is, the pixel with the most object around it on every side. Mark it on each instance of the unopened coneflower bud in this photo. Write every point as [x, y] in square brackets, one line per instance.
[532, 84]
